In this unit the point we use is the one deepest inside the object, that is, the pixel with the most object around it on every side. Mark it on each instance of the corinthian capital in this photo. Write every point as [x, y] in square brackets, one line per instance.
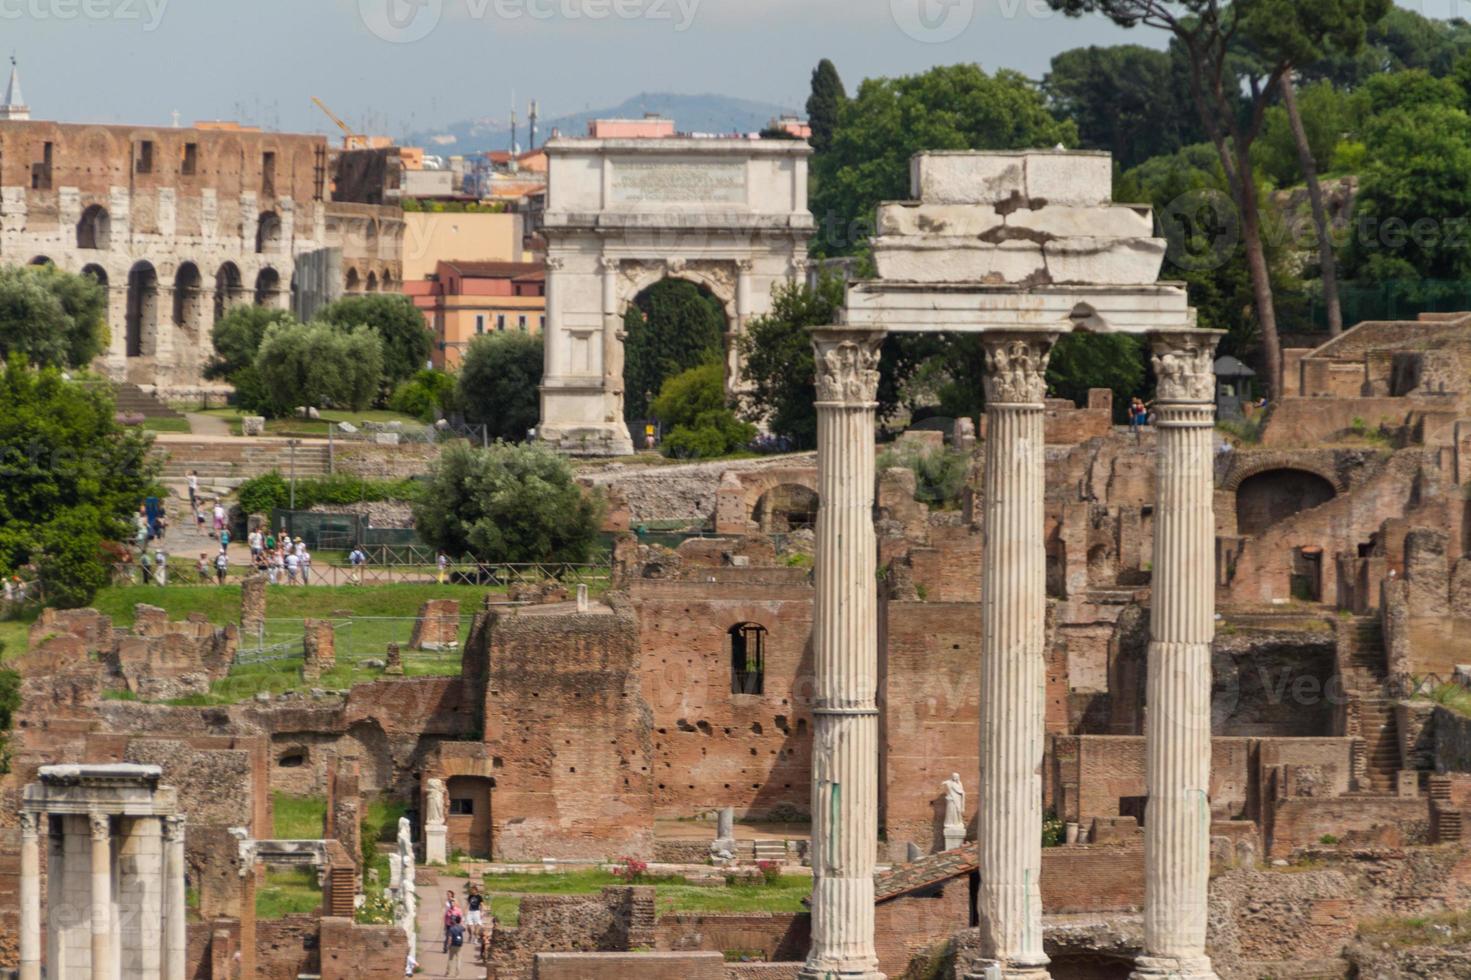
[30, 825]
[555, 262]
[173, 827]
[1184, 366]
[847, 365]
[1016, 367]
[101, 826]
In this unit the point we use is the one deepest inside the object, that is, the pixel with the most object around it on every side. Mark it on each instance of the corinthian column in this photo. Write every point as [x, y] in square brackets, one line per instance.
[1013, 678]
[102, 965]
[30, 896]
[1177, 732]
[845, 646]
[175, 936]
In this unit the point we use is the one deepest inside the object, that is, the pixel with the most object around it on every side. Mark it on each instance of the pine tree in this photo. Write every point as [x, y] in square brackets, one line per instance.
[823, 105]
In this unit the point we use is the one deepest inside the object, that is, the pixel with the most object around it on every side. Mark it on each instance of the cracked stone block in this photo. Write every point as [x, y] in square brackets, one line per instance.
[954, 220]
[1053, 221]
[1070, 179]
[1105, 261]
[958, 260]
[967, 178]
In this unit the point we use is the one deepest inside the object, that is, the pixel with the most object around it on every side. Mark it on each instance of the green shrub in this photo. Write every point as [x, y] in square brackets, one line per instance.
[426, 396]
[317, 364]
[270, 491]
[716, 433]
[508, 503]
[701, 425]
[939, 474]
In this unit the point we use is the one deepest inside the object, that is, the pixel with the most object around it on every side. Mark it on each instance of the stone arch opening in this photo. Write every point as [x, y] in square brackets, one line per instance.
[673, 323]
[268, 232]
[747, 658]
[97, 273]
[94, 230]
[42, 260]
[354, 281]
[142, 317]
[229, 287]
[267, 287]
[1272, 496]
[188, 297]
[785, 508]
[372, 284]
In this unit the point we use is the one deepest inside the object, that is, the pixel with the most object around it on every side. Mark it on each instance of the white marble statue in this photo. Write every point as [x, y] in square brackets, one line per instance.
[954, 801]
[408, 893]
[437, 796]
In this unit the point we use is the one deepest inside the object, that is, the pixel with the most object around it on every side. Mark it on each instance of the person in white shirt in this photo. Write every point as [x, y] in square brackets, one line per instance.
[193, 488]
[273, 567]
[161, 567]
[291, 562]
[305, 562]
[257, 541]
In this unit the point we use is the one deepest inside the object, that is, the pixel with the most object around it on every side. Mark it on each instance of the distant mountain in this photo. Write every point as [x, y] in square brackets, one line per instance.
[691, 114]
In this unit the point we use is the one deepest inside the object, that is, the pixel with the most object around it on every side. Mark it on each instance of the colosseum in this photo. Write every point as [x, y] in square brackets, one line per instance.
[179, 225]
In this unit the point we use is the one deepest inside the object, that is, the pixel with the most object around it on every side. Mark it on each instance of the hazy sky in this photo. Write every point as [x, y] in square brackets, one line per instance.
[394, 65]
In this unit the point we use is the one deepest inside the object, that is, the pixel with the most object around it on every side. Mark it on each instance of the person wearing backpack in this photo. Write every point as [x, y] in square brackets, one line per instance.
[455, 938]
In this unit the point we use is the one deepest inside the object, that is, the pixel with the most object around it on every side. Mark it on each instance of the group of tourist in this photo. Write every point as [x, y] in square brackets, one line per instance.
[280, 557]
[462, 924]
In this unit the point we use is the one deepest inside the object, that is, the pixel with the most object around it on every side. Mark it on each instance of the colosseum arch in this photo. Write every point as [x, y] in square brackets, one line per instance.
[729, 215]
[94, 230]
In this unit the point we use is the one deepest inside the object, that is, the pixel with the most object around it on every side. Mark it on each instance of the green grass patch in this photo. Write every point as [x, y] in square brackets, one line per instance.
[290, 892]
[315, 428]
[166, 425]
[1453, 697]
[297, 817]
[671, 894]
[379, 826]
[1451, 928]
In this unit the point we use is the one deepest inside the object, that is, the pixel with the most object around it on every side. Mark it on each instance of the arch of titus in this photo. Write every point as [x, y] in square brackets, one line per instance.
[1020, 248]
[729, 214]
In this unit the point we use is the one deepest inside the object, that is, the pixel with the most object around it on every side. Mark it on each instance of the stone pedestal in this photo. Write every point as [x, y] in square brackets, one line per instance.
[436, 837]
[1181, 627]
[845, 653]
[723, 846]
[1013, 678]
[954, 835]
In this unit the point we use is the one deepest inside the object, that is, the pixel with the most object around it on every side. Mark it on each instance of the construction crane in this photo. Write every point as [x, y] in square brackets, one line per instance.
[350, 139]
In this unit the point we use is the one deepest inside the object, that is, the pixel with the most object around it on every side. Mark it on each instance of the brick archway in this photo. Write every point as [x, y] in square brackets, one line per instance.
[1259, 463]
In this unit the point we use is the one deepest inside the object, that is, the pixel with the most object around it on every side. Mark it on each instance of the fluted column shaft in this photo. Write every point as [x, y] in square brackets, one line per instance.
[102, 966]
[1013, 678]
[30, 896]
[1177, 820]
[845, 648]
[175, 935]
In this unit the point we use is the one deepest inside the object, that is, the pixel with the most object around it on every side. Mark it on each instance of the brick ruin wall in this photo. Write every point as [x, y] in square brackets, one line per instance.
[554, 677]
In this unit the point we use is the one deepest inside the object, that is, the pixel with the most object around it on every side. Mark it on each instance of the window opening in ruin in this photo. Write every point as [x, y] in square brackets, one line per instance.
[462, 807]
[294, 761]
[189, 165]
[268, 232]
[268, 173]
[41, 172]
[94, 230]
[747, 658]
[145, 157]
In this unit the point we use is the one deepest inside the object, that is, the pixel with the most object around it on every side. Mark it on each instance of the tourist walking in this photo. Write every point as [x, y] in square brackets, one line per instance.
[443, 562]
[291, 562]
[305, 564]
[219, 516]
[274, 564]
[473, 904]
[257, 542]
[145, 565]
[193, 488]
[454, 942]
[222, 567]
[199, 519]
[202, 567]
[224, 541]
[357, 559]
[161, 567]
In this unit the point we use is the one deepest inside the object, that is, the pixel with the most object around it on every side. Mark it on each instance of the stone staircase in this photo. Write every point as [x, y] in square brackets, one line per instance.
[770, 850]
[132, 400]
[1370, 711]
[1447, 824]
[223, 462]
